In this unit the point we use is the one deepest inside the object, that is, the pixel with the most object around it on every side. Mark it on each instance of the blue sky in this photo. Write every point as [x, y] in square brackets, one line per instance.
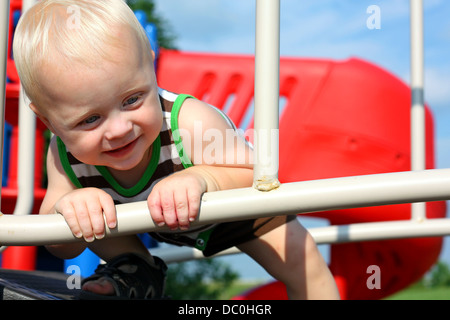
[333, 29]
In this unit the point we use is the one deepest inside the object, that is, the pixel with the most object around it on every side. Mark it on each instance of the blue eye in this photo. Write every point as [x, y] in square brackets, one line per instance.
[131, 100]
[91, 119]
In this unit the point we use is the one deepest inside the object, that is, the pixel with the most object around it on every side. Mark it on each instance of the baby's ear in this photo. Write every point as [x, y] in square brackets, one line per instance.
[39, 114]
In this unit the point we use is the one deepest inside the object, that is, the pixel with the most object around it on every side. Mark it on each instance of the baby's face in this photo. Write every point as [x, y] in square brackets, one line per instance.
[109, 114]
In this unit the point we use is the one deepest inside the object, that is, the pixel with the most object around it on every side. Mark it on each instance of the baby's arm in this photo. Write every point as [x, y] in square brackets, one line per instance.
[82, 208]
[221, 159]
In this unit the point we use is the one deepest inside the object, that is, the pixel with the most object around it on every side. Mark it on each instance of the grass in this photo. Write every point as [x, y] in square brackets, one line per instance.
[414, 292]
[421, 293]
[237, 288]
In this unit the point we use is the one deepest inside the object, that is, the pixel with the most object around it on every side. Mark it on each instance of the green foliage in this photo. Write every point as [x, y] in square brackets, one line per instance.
[421, 293]
[439, 275]
[166, 38]
[199, 280]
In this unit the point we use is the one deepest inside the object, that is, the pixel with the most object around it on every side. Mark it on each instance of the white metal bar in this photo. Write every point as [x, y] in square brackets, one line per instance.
[417, 87]
[25, 169]
[356, 232]
[381, 231]
[267, 59]
[26, 152]
[4, 27]
[248, 203]
[173, 254]
[418, 210]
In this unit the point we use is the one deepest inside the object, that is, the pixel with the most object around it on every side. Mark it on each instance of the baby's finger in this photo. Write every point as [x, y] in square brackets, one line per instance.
[109, 210]
[154, 206]
[84, 220]
[182, 209]
[168, 209]
[194, 199]
[68, 212]
[95, 212]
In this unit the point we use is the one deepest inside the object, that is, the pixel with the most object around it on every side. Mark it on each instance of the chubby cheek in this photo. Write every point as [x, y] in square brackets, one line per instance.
[86, 149]
[151, 122]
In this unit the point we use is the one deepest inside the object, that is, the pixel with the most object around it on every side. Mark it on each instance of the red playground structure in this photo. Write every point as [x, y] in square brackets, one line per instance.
[339, 118]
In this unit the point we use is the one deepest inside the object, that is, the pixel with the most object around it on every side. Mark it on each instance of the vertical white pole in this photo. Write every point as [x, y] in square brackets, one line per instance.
[4, 28]
[417, 99]
[267, 59]
[27, 125]
[25, 159]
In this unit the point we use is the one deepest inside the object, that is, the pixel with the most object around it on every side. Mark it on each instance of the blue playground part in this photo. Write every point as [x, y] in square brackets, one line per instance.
[147, 240]
[87, 262]
[150, 29]
[6, 151]
[152, 34]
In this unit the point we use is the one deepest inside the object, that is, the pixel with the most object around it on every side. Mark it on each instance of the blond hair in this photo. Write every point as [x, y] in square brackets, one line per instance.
[76, 30]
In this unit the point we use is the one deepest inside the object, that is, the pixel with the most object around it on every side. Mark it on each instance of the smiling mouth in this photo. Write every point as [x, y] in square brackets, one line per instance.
[122, 150]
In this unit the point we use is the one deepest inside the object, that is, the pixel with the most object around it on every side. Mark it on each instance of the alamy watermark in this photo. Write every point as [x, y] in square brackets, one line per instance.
[373, 22]
[374, 280]
[74, 17]
[74, 279]
[214, 146]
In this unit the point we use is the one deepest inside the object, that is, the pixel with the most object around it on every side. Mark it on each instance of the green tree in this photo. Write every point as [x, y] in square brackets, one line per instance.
[166, 38]
[199, 280]
[440, 275]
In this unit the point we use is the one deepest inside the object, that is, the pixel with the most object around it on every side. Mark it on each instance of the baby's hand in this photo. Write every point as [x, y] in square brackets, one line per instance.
[175, 200]
[83, 210]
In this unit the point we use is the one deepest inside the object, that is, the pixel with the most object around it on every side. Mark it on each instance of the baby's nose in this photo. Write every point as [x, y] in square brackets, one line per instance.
[118, 126]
